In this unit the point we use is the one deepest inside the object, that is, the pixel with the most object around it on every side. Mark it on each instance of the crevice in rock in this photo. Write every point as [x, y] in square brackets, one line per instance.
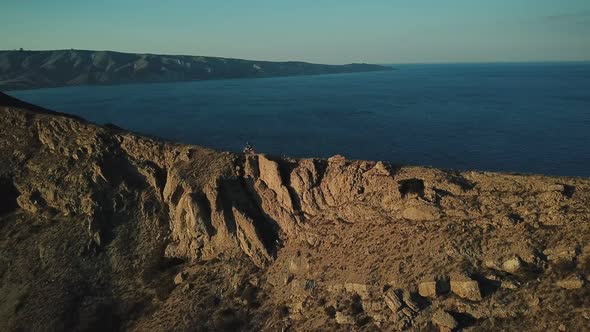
[37, 199]
[440, 193]
[411, 187]
[176, 195]
[222, 203]
[568, 191]
[321, 168]
[392, 168]
[204, 212]
[515, 218]
[268, 227]
[160, 176]
[286, 167]
[464, 319]
[117, 170]
[8, 196]
[487, 286]
[240, 193]
[462, 182]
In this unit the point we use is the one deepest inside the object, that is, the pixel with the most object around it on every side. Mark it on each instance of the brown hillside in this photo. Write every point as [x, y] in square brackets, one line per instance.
[101, 229]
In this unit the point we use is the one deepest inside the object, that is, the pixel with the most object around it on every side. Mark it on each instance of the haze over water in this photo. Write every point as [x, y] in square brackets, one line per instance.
[532, 117]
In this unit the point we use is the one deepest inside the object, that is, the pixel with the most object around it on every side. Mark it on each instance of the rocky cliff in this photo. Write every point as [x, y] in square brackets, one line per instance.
[44, 69]
[104, 229]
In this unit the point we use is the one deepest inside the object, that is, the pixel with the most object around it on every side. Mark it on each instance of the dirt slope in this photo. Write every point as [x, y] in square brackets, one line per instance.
[101, 229]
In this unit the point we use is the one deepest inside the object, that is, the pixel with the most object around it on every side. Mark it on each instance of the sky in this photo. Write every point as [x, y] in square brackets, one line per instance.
[324, 31]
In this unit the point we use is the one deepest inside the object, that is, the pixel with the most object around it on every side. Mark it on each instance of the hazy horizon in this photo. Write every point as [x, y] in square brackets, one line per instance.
[297, 60]
[330, 32]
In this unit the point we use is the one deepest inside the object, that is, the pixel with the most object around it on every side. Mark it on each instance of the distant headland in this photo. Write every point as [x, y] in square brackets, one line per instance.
[22, 69]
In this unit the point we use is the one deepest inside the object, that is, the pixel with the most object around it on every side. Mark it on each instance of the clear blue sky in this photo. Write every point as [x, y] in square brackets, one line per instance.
[327, 31]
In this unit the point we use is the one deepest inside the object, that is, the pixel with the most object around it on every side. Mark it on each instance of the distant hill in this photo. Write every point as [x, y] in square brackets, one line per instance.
[42, 69]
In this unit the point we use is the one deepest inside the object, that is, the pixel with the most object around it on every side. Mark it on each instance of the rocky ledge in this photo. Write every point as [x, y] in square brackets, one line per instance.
[101, 229]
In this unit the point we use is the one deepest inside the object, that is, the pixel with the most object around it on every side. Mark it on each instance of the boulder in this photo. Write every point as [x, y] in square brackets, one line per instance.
[571, 283]
[393, 300]
[402, 323]
[567, 254]
[433, 288]
[507, 284]
[465, 287]
[344, 319]
[373, 306]
[180, 278]
[444, 320]
[421, 212]
[427, 289]
[512, 265]
[298, 264]
[408, 312]
[409, 301]
[555, 187]
[361, 289]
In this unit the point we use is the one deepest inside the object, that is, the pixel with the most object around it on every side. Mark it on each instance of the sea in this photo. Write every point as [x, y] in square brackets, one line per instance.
[510, 117]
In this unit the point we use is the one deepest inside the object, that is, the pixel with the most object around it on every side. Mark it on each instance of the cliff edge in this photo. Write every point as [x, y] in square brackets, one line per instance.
[104, 229]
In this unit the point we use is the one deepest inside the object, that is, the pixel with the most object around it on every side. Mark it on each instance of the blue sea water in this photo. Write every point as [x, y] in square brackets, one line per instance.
[528, 118]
